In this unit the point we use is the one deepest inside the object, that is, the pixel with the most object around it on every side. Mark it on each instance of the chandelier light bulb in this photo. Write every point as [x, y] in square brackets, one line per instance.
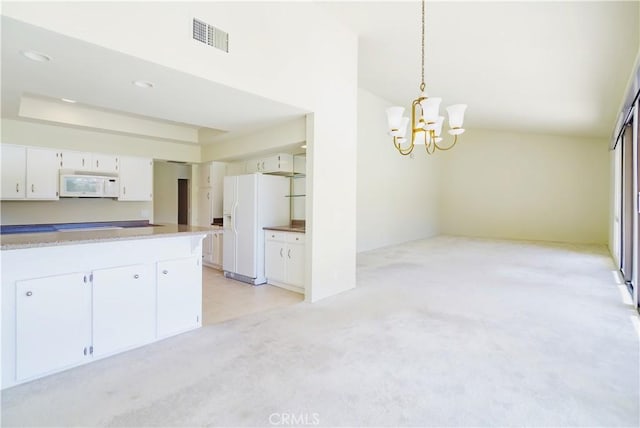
[394, 118]
[430, 110]
[456, 115]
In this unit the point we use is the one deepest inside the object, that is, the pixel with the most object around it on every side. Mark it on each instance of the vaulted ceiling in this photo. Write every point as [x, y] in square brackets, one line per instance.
[546, 67]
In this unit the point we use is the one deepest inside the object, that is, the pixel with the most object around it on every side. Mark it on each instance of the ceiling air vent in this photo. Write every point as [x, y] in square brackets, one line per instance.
[210, 35]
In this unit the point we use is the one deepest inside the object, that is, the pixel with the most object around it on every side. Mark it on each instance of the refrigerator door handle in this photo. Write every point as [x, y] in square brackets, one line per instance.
[233, 217]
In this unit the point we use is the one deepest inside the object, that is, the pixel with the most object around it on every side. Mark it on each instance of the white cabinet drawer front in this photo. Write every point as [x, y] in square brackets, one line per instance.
[272, 235]
[296, 238]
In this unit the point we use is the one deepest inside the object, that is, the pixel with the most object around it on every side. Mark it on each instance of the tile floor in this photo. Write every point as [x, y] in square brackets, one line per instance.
[224, 299]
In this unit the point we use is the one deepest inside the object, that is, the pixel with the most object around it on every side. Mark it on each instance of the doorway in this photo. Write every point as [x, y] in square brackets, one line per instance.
[183, 201]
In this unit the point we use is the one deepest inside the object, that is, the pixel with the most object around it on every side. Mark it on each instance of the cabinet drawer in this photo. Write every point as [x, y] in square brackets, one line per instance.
[272, 235]
[296, 237]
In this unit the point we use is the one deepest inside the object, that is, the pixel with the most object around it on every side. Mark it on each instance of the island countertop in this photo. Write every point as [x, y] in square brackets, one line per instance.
[48, 239]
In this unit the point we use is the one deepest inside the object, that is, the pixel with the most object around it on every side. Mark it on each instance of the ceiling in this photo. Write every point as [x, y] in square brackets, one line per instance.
[101, 79]
[544, 67]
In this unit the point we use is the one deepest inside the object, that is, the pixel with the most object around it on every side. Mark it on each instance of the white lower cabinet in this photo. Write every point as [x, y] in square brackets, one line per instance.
[179, 295]
[212, 249]
[66, 320]
[284, 259]
[124, 308]
[53, 323]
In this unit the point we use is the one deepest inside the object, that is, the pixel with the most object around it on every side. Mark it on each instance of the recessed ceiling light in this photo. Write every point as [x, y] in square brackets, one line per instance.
[304, 146]
[36, 56]
[142, 84]
[67, 100]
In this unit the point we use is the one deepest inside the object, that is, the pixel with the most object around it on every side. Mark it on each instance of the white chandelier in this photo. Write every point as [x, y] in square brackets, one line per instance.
[427, 129]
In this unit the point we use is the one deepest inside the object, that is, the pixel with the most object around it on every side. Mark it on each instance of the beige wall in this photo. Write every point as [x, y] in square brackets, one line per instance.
[73, 210]
[269, 140]
[397, 196]
[524, 186]
[165, 191]
[64, 137]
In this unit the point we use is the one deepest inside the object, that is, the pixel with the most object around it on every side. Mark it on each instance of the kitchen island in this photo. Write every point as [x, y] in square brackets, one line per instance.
[72, 297]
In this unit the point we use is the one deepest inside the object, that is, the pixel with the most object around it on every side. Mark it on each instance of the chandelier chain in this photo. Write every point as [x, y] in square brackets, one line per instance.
[422, 85]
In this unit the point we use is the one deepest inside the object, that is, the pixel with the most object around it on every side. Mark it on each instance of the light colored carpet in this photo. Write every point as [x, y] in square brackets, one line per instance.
[440, 332]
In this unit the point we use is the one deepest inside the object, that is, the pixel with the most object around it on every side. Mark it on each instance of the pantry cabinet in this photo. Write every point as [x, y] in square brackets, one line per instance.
[179, 295]
[14, 164]
[124, 308]
[53, 323]
[136, 179]
[284, 259]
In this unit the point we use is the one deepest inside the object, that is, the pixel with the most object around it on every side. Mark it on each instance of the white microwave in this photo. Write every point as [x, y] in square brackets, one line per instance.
[89, 186]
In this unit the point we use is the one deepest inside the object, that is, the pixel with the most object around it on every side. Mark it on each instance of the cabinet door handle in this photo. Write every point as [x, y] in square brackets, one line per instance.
[124, 190]
[136, 276]
[29, 293]
[17, 187]
[165, 271]
[98, 163]
[82, 161]
[33, 188]
[289, 253]
[207, 195]
[281, 249]
[263, 165]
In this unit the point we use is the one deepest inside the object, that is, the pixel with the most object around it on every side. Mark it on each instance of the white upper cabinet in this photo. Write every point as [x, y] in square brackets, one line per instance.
[42, 173]
[300, 164]
[105, 163]
[14, 163]
[78, 161]
[29, 172]
[211, 183]
[136, 179]
[205, 207]
[211, 173]
[280, 163]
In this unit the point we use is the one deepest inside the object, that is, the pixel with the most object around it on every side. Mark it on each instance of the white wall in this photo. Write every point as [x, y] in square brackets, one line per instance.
[524, 186]
[308, 60]
[165, 191]
[397, 197]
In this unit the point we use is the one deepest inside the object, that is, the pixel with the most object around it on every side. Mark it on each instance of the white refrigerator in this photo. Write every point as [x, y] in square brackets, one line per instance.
[251, 202]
